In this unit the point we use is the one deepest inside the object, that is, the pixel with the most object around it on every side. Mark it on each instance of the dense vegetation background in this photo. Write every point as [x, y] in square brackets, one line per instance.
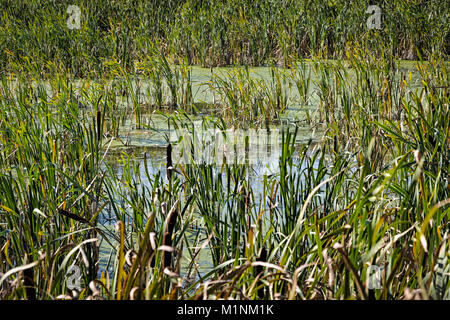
[214, 33]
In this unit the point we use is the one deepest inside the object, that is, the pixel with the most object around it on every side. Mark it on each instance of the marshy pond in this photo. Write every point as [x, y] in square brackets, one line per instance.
[355, 159]
[146, 147]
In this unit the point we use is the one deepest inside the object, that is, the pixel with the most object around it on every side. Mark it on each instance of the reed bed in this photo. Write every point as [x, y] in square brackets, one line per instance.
[373, 192]
[214, 33]
[79, 219]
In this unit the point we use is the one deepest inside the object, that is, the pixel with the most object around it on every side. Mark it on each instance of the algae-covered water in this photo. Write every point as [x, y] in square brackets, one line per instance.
[151, 139]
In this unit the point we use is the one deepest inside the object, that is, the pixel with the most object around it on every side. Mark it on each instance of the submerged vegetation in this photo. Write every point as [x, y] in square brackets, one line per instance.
[83, 217]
